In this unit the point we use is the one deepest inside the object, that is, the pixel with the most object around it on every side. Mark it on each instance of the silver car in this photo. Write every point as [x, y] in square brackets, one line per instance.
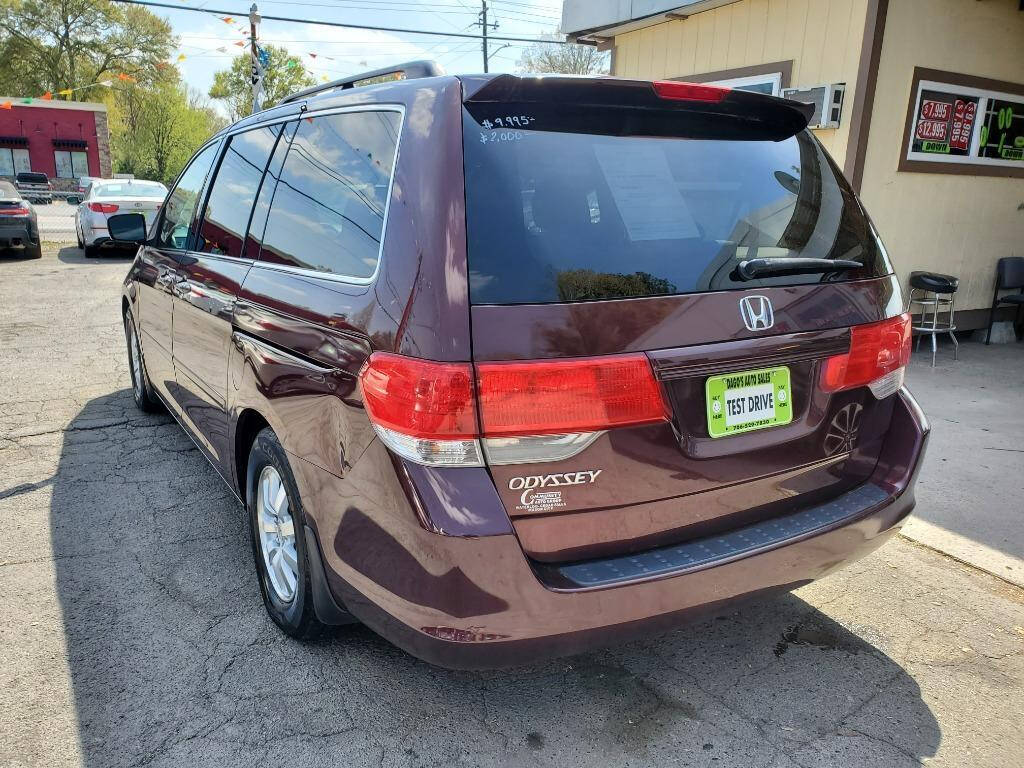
[107, 197]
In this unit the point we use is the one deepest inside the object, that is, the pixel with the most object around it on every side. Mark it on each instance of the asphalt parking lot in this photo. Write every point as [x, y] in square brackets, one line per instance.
[131, 629]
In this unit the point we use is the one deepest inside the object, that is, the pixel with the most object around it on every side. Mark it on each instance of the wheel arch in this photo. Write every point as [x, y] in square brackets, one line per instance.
[250, 423]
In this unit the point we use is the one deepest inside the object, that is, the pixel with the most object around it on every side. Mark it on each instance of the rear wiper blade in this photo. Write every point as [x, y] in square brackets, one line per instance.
[753, 268]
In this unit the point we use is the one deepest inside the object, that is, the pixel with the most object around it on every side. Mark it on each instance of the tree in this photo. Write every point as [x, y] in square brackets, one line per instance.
[284, 75]
[52, 45]
[156, 130]
[567, 59]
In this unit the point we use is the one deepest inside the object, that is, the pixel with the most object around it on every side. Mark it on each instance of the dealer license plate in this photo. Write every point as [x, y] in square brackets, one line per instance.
[748, 400]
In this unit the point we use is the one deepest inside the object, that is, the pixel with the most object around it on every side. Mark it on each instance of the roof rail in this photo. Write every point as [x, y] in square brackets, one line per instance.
[410, 70]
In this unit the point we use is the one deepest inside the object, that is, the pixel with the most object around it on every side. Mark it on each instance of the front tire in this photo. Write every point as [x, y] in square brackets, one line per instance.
[145, 399]
[277, 531]
[91, 251]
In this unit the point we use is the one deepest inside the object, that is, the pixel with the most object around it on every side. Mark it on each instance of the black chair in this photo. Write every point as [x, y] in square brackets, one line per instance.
[934, 292]
[1009, 275]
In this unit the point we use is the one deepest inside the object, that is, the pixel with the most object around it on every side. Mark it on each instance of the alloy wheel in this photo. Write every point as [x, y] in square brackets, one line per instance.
[134, 357]
[277, 534]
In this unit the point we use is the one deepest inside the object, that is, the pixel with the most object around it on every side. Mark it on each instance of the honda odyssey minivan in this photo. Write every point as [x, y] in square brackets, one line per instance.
[510, 367]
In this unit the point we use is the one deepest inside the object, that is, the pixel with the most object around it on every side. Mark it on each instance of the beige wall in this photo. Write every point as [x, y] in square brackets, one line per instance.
[822, 37]
[944, 223]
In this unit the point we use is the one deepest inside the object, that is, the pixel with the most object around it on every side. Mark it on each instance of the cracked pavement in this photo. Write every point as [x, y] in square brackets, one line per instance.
[132, 633]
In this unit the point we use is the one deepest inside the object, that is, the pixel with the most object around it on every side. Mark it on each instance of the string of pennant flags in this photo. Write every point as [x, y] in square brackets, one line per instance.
[123, 77]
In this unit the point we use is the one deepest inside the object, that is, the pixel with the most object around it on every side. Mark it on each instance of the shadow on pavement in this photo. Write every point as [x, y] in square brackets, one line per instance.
[72, 254]
[173, 661]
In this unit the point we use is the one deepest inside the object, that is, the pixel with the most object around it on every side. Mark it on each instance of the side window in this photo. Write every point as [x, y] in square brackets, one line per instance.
[328, 210]
[233, 191]
[258, 223]
[181, 203]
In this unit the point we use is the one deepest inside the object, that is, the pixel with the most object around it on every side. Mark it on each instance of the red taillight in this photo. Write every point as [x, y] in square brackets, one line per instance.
[419, 398]
[566, 396]
[876, 350]
[672, 89]
[427, 411]
[103, 207]
[19, 211]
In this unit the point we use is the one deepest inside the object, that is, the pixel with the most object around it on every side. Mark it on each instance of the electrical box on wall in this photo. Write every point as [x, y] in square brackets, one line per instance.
[827, 101]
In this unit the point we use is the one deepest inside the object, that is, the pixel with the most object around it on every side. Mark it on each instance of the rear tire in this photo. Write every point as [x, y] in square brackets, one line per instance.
[142, 391]
[91, 252]
[277, 530]
[34, 251]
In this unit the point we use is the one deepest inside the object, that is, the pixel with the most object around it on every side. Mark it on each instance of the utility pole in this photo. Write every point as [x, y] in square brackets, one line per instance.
[482, 23]
[257, 64]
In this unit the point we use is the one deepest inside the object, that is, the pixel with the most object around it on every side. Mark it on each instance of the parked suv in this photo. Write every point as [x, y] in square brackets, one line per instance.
[511, 367]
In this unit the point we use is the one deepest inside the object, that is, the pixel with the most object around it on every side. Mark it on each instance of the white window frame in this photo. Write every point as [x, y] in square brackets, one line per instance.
[983, 95]
[774, 79]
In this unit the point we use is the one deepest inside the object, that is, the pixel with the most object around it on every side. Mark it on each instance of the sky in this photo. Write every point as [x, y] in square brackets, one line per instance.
[339, 51]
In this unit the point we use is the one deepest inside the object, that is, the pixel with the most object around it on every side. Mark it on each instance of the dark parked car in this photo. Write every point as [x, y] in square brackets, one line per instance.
[19, 226]
[35, 186]
[511, 367]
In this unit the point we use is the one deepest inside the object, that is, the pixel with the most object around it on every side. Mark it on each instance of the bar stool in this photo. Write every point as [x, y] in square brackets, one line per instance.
[930, 290]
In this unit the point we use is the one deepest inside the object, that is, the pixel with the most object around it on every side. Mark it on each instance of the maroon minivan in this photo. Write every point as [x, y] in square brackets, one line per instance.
[508, 367]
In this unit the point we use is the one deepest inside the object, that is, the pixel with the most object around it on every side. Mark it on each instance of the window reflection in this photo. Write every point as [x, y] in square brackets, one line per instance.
[327, 212]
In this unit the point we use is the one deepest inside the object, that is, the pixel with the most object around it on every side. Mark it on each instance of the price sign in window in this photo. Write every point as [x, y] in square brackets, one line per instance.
[945, 123]
[959, 123]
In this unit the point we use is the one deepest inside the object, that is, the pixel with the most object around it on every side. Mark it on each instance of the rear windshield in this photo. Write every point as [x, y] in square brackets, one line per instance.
[130, 190]
[32, 178]
[558, 217]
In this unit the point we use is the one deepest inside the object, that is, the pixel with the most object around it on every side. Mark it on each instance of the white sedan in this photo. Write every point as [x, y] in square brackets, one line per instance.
[108, 197]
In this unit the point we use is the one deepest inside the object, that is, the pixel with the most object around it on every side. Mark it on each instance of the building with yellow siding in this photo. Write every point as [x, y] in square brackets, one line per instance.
[921, 103]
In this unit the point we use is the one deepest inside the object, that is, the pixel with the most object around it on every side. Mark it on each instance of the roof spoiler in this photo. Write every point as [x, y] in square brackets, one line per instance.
[617, 106]
[410, 70]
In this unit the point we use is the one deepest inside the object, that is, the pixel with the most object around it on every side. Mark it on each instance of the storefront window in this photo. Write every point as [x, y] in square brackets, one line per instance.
[71, 165]
[957, 124]
[13, 161]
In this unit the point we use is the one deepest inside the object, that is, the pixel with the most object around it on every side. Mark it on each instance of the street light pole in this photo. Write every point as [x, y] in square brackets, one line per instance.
[257, 66]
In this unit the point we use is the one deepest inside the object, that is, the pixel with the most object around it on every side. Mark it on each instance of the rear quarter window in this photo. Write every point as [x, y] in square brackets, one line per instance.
[328, 209]
[561, 217]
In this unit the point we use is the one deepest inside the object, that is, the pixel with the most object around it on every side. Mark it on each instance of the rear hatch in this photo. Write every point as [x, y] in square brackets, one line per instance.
[128, 197]
[678, 306]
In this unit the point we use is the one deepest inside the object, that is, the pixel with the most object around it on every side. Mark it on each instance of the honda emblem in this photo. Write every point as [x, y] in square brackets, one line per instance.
[757, 313]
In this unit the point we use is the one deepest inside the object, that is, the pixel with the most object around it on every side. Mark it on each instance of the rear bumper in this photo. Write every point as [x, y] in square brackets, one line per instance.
[17, 235]
[465, 602]
[104, 243]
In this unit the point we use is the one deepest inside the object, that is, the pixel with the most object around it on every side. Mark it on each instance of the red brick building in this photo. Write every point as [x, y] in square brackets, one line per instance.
[63, 139]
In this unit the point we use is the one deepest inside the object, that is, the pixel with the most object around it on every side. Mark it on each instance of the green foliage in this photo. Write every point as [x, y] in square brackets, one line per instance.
[51, 45]
[285, 74]
[155, 130]
[155, 122]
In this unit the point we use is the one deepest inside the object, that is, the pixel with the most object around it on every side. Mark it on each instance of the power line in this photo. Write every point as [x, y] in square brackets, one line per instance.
[398, 30]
